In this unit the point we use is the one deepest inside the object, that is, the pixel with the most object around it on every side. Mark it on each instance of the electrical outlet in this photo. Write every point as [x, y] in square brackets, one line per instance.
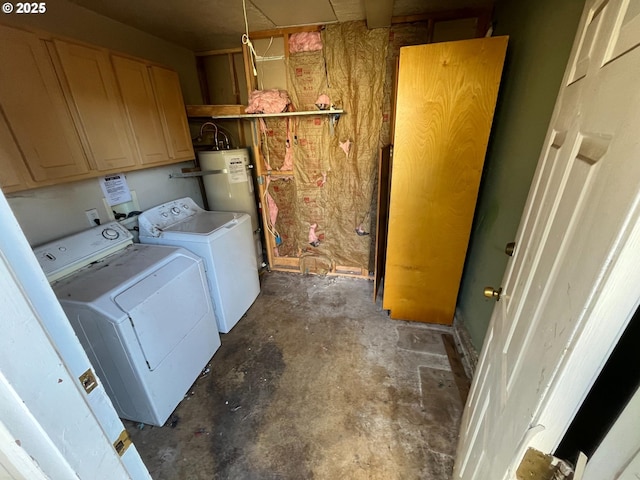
[93, 217]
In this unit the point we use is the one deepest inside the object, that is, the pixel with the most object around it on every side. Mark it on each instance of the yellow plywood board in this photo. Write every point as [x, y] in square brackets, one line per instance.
[445, 101]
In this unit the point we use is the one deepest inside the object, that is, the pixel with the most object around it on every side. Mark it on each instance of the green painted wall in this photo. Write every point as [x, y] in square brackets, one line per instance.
[541, 35]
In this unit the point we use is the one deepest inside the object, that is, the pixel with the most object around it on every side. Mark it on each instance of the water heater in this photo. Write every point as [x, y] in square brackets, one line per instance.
[228, 184]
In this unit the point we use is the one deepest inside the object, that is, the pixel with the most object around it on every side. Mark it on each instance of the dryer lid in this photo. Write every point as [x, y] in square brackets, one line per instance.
[165, 306]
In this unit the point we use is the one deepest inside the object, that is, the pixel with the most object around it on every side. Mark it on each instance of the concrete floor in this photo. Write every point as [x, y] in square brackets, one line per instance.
[314, 382]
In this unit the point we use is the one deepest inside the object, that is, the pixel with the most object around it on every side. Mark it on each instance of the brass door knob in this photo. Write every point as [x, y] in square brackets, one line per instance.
[510, 248]
[491, 292]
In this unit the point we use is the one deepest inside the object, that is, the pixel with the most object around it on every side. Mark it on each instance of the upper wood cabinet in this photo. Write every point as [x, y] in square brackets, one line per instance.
[134, 80]
[13, 173]
[71, 111]
[167, 87]
[94, 93]
[36, 110]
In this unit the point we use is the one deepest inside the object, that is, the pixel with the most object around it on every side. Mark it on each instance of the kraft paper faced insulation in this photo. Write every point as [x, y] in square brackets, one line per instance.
[329, 198]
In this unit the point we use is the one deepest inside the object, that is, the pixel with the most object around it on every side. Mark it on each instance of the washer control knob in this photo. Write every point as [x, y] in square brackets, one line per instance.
[185, 206]
[175, 210]
[110, 233]
[165, 214]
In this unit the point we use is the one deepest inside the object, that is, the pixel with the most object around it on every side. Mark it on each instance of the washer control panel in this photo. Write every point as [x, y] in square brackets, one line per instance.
[151, 222]
[68, 254]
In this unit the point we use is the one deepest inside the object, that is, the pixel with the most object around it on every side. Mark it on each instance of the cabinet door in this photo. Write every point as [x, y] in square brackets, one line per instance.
[36, 109]
[167, 87]
[13, 173]
[137, 92]
[102, 118]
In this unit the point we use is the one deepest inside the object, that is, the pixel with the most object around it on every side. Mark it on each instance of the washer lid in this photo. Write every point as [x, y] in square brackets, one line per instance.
[165, 306]
[205, 223]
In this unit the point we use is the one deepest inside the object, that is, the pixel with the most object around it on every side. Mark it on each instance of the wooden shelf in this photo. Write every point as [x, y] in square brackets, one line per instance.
[230, 112]
[215, 110]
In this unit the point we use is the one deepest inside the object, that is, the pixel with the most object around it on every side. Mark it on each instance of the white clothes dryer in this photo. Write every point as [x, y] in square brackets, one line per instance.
[223, 239]
[141, 312]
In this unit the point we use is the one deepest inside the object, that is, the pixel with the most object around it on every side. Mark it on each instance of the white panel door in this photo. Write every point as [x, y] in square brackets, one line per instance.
[570, 287]
[43, 405]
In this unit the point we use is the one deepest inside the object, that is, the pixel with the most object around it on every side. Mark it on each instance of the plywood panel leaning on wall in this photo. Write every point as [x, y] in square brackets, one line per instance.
[35, 108]
[66, 118]
[444, 108]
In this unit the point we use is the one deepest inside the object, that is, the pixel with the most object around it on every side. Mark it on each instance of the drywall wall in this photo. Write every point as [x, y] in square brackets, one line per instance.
[541, 34]
[48, 213]
[52, 212]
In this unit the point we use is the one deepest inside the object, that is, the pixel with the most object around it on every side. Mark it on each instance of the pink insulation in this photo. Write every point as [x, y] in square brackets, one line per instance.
[346, 146]
[313, 238]
[268, 101]
[305, 42]
[322, 180]
[323, 102]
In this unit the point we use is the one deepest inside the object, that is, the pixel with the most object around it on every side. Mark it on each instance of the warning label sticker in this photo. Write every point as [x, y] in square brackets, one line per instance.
[237, 173]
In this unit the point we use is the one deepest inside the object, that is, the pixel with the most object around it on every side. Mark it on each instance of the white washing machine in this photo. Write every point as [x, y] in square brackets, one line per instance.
[141, 312]
[223, 239]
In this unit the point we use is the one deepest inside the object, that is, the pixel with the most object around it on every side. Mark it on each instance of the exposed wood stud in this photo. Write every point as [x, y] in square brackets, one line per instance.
[280, 32]
[203, 80]
[430, 28]
[226, 51]
[484, 22]
[234, 78]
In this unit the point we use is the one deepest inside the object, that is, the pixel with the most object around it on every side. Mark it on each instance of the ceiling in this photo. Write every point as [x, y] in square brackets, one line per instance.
[219, 24]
